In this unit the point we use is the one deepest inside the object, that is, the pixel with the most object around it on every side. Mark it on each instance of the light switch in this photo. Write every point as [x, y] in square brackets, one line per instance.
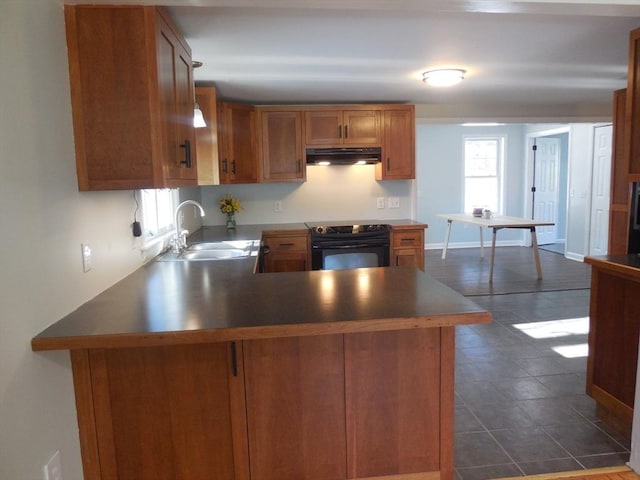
[394, 202]
[380, 202]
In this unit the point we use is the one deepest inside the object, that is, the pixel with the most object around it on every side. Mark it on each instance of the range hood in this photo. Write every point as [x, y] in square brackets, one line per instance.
[343, 156]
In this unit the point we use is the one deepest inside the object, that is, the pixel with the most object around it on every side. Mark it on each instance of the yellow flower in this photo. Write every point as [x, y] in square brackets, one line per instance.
[228, 204]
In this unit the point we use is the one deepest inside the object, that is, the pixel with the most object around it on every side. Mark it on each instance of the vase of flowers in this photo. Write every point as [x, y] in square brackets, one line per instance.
[229, 206]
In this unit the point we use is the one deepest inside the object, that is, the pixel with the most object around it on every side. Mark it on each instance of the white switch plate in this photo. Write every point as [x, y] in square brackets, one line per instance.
[380, 202]
[277, 206]
[86, 257]
[394, 202]
[53, 469]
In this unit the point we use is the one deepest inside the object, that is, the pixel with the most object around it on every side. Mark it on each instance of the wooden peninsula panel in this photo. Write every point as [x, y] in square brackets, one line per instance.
[613, 338]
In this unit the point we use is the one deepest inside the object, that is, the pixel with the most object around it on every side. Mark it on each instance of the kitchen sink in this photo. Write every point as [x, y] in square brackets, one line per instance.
[214, 251]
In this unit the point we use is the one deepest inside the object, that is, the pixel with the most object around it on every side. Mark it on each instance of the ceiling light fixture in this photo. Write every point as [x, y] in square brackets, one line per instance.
[443, 77]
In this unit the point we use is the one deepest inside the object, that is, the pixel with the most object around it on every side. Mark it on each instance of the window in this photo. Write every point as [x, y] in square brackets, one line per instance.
[483, 173]
[157, 212]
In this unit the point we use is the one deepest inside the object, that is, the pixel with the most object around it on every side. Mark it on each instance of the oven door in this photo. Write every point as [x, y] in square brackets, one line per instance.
[351, 256]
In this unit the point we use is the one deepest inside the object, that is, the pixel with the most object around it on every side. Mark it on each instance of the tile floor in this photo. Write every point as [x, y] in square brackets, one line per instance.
[520, 404]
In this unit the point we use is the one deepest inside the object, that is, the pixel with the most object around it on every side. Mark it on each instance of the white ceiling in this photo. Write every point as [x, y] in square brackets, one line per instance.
[536, 58]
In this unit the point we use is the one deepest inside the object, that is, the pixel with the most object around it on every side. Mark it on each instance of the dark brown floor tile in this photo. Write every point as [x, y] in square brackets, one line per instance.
[523, 388]
[550, 411]
[477, 394]
[550, 466]
[563, 384]
[607, 460]
[486, 473]
[529, 444]
[499, 417]
[465, 421]
[583, 404]
[477, 450]
[584, 439]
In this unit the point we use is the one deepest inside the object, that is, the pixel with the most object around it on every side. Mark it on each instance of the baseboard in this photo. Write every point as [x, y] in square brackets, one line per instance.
[573, 473]
[487, 245]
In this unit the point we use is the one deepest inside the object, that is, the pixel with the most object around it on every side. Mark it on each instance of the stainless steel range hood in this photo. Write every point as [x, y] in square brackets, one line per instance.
[343, 156]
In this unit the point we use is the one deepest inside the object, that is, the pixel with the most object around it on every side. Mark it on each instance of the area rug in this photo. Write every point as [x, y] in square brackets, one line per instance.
[467, 272]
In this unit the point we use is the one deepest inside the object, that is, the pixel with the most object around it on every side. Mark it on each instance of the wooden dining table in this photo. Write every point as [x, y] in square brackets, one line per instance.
[495, 222]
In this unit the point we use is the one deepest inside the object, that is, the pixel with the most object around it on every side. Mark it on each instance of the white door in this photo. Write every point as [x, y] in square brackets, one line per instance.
[600, 190]
[546, 182]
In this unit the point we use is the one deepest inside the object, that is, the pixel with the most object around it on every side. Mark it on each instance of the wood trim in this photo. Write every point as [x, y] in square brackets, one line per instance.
[447, 401]
[86, 414]
[248, 333]
[238, 406]
[612, 404]
[574, 473]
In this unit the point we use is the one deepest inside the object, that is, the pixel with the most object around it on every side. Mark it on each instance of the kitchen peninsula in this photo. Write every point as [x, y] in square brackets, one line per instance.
[199, 369]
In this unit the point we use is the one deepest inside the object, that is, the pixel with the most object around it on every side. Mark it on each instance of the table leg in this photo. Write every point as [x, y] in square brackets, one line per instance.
[534, 245]
[493, 254]
[481, 244]
[446, 239]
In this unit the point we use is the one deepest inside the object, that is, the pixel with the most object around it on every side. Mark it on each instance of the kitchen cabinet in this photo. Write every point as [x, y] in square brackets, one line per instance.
[282, 146]
[237, 143]
[162, 412]
[614, 327]
[289, 251]
[336, 127]
[132, 98]
[398, 145]
[207, 137]
[632, 114]
[620, 185]
[407, 246]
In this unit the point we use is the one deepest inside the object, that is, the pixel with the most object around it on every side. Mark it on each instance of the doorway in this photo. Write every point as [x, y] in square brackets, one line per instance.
[547, 185]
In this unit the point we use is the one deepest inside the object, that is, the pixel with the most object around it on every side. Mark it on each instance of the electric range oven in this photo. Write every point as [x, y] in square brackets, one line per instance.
[339, 247]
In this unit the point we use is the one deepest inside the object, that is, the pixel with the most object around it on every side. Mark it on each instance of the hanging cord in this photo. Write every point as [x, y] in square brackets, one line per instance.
[135, 226]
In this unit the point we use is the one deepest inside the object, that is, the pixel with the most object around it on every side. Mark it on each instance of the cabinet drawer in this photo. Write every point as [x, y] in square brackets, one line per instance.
[407, 239]
[288, 244]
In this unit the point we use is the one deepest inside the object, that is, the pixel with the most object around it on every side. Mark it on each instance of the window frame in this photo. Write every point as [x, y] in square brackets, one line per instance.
[500, 168]
[148, 210]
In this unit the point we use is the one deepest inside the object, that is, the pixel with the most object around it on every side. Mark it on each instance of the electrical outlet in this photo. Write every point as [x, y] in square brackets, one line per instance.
[277, 206]
[380, 202]
[394, 202]
[53, 469]
[86, 257]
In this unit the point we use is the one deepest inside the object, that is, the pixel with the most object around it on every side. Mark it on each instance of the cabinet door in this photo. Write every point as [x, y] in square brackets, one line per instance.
[295, 408]
[282, 153]
[168, 412]
[632, 133]
[407, 247]
[361, 127]
[175, 85]
[397, 421]
[239, 162]
[620, 185]
[323, 127]
[398, 146]
[287, 253]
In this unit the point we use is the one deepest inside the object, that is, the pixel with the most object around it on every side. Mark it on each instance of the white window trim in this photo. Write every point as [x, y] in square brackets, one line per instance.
[154, 244]
[500, 170]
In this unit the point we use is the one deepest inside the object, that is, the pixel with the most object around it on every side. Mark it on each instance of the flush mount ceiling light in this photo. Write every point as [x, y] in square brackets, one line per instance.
[443, 77]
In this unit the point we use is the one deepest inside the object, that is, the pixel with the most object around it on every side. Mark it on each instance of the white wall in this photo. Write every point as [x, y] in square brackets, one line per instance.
[44, 220]
[330, 193]
[440, 174]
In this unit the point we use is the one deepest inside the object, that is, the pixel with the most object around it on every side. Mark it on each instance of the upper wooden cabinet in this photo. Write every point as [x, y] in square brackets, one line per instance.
[282, 146]
[237, 143]
[632, 114]
[342, 127]
[132, 98]
[620, 185]
[398, 145]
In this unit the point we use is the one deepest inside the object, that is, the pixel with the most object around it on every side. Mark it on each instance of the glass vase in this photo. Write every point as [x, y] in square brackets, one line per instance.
[231, 221]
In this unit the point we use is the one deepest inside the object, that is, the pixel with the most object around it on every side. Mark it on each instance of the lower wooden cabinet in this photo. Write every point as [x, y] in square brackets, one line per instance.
[407, 246]
[288, 251]
[324, 407]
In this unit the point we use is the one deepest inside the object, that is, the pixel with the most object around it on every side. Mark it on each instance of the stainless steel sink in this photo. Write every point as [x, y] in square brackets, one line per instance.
[214, 251]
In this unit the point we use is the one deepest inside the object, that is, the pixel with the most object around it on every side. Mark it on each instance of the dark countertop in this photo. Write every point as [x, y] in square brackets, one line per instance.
[165, 303]
[628, 264]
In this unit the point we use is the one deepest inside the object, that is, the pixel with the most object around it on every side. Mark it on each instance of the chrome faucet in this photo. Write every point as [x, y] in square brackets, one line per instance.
[179, 240]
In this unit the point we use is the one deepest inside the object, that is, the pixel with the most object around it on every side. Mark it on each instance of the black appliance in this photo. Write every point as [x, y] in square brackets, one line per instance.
[344, 156]
[634, 220]
[343, 246]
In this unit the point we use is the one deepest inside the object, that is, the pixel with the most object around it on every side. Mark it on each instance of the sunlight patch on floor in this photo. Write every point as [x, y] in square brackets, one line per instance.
[555, 328]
